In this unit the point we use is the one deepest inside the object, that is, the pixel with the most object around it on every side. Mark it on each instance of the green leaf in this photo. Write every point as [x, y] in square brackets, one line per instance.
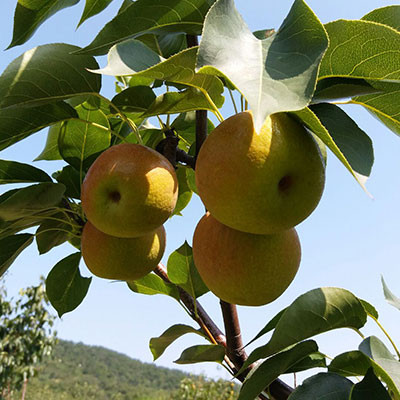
[92, 8]
[361, 49]
[166, 44]
[11, 247]
[314, 360]
[152, 284]
[81, 142]
[325, 386]
[389, 15]
[275, 74]
[29, 200]
[264, 374]
[184, 191]
[71, 179]
[134, 99]
[30, 14]
[9, 228]
[191, 179]
[15, 172]
[352, 141]
[317, 311]
[370, 309]
[47, 74]
[311, 121]
[65, 287]
[369, 388]
[18, 123]
[389, 296]
[182, 271]
[50, 151]
[202, 353]
[159, 344]
[134, 58]
[52, 232]
[151, 16]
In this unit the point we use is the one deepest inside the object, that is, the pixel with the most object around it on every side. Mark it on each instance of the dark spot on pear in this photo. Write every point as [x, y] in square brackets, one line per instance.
[115, 196]
[285, 184]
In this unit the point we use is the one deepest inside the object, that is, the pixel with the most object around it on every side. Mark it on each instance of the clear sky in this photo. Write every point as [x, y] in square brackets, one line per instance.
[347, 242]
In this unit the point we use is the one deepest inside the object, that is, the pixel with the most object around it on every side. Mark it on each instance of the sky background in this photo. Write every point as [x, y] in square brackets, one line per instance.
[348, 242]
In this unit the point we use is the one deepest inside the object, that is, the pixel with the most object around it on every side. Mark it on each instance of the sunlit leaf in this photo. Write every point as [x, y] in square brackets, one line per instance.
[152, 284]
[389, 296]
[389, 15]
[184, 191]
[202, 353]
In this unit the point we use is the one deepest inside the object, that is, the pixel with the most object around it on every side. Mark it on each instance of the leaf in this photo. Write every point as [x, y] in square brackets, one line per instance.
[30, 200]
[264, 374]
[134, 99]
[317, 311]
[370, 309]
[11, 247]
[314, 360]
[18, 123]
[275, 74]
[47, 74]
[159, 344]
[30, 14]
[92, 8]
[166, 44]
[182, 271]
[71, 179]
[151, 16]
[184, 191]
[325, 386]
[369, 388]
[361, 49]
[134, 58]
[81, 142]
[389, 15]
[52, 232]
[65, 287]
[389, 296]
[152, 284]
[15, 172]
[352, 141]
[202, 353]
[50, 151]
[308, 118]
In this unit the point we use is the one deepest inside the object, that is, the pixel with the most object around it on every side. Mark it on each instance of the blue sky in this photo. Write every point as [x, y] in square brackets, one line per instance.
[347, 242]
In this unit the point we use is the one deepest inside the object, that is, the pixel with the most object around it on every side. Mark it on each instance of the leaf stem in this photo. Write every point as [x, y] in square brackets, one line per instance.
[233, 100]
[387, 335]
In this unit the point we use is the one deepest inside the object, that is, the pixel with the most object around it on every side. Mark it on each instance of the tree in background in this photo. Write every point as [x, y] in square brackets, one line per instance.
[26, 336]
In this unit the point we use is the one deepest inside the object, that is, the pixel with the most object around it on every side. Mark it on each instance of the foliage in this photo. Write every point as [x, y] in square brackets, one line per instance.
[25, 337]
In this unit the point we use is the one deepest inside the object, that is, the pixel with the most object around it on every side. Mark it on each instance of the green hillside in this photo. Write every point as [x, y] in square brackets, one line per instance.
[78, 371]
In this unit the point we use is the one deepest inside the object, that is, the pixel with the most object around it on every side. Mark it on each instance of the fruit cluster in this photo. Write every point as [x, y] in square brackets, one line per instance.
[256, 186]
[127, 195]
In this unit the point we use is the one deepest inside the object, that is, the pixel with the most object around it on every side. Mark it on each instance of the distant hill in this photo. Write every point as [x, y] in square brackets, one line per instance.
[81, 372]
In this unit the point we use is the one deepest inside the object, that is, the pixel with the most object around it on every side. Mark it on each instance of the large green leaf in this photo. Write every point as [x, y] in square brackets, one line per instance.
[152, 284]
[155, 16]
[30, 14]
[182, 271]
[389, 15]
[29, 200]
[50, 151]
[275, 74]
[369, 388]
[15, 172]
[313, 360]
[47, 74]
[65, 287]
[317, 311]
[81, 142]
[325, 386]
[165, 44]
[389, 296]
[361, 49]
[184, 191]
[11, 247]
[159, 344]
[93, 7]
[71, 179]
[264, 374]
[202, 353]
[134, 99]
[18, 123]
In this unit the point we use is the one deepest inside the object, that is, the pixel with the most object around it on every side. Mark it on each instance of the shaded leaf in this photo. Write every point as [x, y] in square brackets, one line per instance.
[46, 74]
[275, 74]
[202, 353]
[166, 44]
[370, 388]
[11, 247]
[134, 99]
[159, 344]
[389, 296]
[65, 287]
[152, 284]
[182, 271]
[184, 191]
[370, 309]
[264, 374]
[325, 386]
[71, 179]
[15, 172]
[314, 360]
[147, 16]
[30, 14]
[92, 8]
[50, 151]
